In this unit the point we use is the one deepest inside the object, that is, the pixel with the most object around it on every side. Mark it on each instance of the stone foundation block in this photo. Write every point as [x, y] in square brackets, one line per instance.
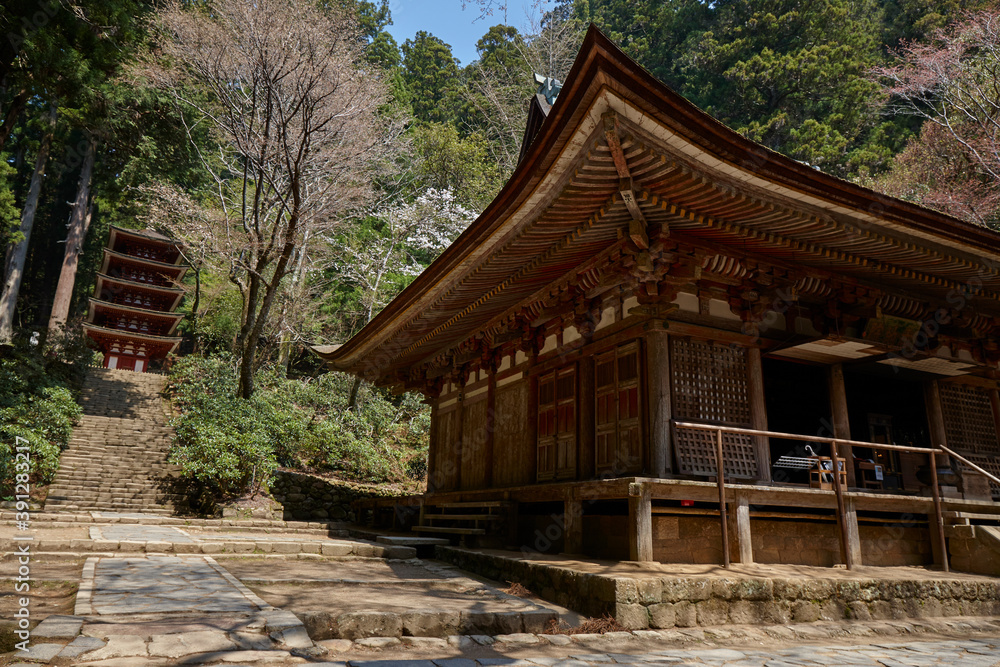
[430, 624]
[712, 612]
[633, 616]
[356, 625]
[537, 621]
[662, 615]
[685, 614]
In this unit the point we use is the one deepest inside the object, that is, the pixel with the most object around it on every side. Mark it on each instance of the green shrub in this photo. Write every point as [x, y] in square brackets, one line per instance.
[233, 445]
[38, 392]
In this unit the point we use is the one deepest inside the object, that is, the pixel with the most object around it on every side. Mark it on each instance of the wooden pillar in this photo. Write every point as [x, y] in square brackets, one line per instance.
[853, 533]
[586, 454]
[572, 525]
[491, 395]
[758, 413]
[939, 438]
[743, 536]
[658, 372]
[640, 523]
[842, 521]
[935, 416]
[532, 418]
[459, 428]
[433, 475]
[841, 418]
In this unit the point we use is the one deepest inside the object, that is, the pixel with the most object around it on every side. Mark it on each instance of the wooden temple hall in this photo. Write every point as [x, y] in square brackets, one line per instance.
[649, 290]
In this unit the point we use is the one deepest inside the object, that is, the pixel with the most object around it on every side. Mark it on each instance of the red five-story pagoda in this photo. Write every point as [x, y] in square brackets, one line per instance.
[132, 316]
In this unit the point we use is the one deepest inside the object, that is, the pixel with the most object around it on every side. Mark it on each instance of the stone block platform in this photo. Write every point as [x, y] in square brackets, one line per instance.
[660, 596]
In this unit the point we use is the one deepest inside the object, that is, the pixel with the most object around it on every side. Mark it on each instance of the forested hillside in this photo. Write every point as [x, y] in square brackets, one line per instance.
[211, 122]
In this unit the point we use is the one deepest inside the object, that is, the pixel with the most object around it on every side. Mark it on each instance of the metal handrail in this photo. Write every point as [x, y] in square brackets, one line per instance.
[962, 459]
[842, 523]
[806, 438]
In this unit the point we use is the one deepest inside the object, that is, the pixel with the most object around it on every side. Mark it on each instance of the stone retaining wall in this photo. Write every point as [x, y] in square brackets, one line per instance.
[306, 497]
[426, 623]
[707, 601]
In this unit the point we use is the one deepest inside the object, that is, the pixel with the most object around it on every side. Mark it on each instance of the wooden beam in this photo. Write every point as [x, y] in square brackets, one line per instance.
[758, 413]
[637, 226]
[615, 143]
[640, 523]
[658, 372]
[841, 419]
[743, 536]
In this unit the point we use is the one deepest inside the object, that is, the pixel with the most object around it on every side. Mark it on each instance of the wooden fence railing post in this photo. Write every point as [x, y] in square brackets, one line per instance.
[845, 538]
[720, 475]
[936, 492]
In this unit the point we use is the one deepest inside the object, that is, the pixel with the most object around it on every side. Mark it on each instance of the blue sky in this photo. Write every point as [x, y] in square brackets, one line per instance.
[448, 21]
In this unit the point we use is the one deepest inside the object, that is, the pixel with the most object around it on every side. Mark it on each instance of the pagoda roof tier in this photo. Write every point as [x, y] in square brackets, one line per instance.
[112, 259]
[626, 177]
[121, 238]
[169, 296]
[98, 307]
[156, 346]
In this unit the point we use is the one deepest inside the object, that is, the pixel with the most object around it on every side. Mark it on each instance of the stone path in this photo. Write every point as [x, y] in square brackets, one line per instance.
[237, 650]
[164, 585]
[971, 653]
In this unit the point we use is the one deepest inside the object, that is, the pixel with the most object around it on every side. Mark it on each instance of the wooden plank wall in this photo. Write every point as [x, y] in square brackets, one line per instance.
[445, 474]
[474, 438]
[513, 444]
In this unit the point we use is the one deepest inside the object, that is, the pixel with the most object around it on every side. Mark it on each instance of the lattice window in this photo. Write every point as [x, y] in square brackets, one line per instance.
[696, 453]
[557, 424]
[618, 409]
[968, 419]
[710, 382]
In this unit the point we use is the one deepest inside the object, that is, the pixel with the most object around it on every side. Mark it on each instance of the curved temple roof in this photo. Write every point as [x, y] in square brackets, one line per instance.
[563, 209]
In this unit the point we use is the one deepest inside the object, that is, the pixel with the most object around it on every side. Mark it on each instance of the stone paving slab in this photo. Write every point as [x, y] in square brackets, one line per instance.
[140, 533]
[166, 584]
[57, 626]
[957, 653]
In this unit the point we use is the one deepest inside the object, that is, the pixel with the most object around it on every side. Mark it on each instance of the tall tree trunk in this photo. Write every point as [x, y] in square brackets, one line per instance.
[248, 352]
[78, 223]
[352, 400]
[18, 252]
[285, 347]
[10, 116]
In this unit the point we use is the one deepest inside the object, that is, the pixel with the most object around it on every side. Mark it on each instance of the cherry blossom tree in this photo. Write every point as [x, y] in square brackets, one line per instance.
[295, 109]
[952, 83]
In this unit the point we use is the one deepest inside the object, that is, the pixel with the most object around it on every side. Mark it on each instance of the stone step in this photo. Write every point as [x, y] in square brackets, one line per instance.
[117, 454]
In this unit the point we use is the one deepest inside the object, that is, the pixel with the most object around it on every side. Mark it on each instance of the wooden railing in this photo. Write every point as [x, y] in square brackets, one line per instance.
[961, 459]
[845, 549]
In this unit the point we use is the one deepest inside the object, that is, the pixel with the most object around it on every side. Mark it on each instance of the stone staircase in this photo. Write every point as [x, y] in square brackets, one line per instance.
[117, 455]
